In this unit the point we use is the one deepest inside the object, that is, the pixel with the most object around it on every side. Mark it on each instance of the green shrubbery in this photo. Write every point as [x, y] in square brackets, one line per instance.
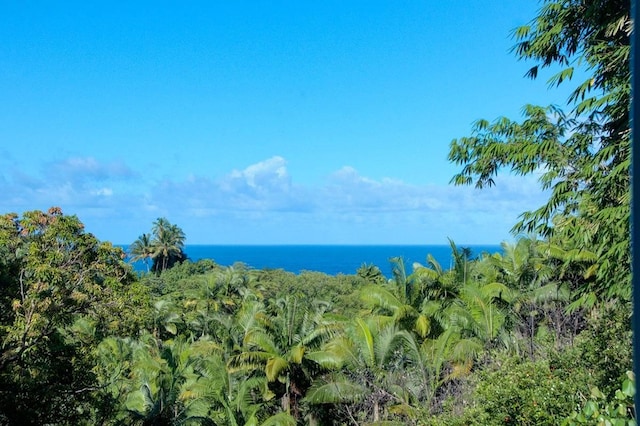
[528, 392]
[600, 410]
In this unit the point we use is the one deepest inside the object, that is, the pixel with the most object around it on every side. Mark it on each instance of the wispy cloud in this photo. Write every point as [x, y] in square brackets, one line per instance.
[77, 183]
[263, 197]
[267, 175]
[262, 194]
[86, 169]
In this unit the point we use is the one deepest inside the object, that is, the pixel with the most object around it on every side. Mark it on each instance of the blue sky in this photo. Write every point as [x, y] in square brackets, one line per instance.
[255, 122]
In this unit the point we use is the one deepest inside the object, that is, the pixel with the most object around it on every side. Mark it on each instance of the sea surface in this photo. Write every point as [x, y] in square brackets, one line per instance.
[330, 259]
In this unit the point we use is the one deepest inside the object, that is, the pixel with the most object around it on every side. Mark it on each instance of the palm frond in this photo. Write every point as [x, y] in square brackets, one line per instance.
[387, 340]
[336, 392]
[379, 297]
[274, 367]
[280, 419]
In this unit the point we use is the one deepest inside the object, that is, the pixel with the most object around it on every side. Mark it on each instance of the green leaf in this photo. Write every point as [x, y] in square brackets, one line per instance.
[335, 392]
[596, 393]
[629, 388]
[171, 328]
[274, 367]
[590, 408]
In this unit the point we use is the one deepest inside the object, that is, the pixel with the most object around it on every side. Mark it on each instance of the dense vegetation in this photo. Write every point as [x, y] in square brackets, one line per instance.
[537, 334]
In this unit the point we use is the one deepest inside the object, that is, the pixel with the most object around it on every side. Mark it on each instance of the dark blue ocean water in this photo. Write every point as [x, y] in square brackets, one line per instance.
[330, 259]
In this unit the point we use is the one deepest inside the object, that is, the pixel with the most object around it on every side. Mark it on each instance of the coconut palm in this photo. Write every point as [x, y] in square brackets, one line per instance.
[164, 246]
[142, 249]
[168, 244]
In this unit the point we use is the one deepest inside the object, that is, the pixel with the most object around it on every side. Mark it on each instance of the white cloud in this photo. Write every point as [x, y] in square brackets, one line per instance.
[75, 183]
[270, 174]
[106, 192]
[267, 186]
[264, 200]
[259, 196]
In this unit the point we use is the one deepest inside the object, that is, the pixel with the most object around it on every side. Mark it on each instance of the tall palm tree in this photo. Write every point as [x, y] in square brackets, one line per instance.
[168, 244]
[164, 246]
[142, 249]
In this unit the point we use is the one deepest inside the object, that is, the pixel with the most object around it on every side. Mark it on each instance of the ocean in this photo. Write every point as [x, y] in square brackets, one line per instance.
[330, 259]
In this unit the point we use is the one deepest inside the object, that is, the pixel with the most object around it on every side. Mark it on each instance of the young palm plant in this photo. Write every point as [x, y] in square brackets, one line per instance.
[151, 380]
[398, 302]
[282, 348]
[372, 371]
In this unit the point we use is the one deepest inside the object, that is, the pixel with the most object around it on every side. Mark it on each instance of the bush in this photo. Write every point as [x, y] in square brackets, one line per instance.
[604, 347]
[618, 412]
[527, 393]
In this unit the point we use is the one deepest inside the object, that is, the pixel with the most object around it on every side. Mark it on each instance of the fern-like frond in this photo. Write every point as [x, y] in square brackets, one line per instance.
[336, 392]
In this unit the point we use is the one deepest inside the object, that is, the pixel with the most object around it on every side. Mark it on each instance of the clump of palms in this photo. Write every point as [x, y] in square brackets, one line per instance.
[378, 370]
[163, 247]
[283, 347]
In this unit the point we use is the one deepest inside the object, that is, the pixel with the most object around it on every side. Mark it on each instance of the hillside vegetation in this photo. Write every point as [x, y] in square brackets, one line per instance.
[538, 334]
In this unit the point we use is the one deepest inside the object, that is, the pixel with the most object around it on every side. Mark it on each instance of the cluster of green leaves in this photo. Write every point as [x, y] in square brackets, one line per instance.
[527, 393]
[598, 409]
[582, 156]
[61, 291]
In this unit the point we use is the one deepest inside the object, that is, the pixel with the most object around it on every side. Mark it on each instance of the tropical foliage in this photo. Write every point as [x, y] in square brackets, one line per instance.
[582, 155]
[201, 343]
[538, 333]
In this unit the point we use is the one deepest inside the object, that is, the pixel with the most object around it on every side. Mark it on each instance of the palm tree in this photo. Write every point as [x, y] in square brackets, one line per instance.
[366, 353]
[175, 382]
[166, 318]
[151, 383]
[537, 279]
[371, 274]
[168, 244]
[399, 300]
[462, 262]
[164, 246]
[142, 249]
[412, 300]
[283, 347]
